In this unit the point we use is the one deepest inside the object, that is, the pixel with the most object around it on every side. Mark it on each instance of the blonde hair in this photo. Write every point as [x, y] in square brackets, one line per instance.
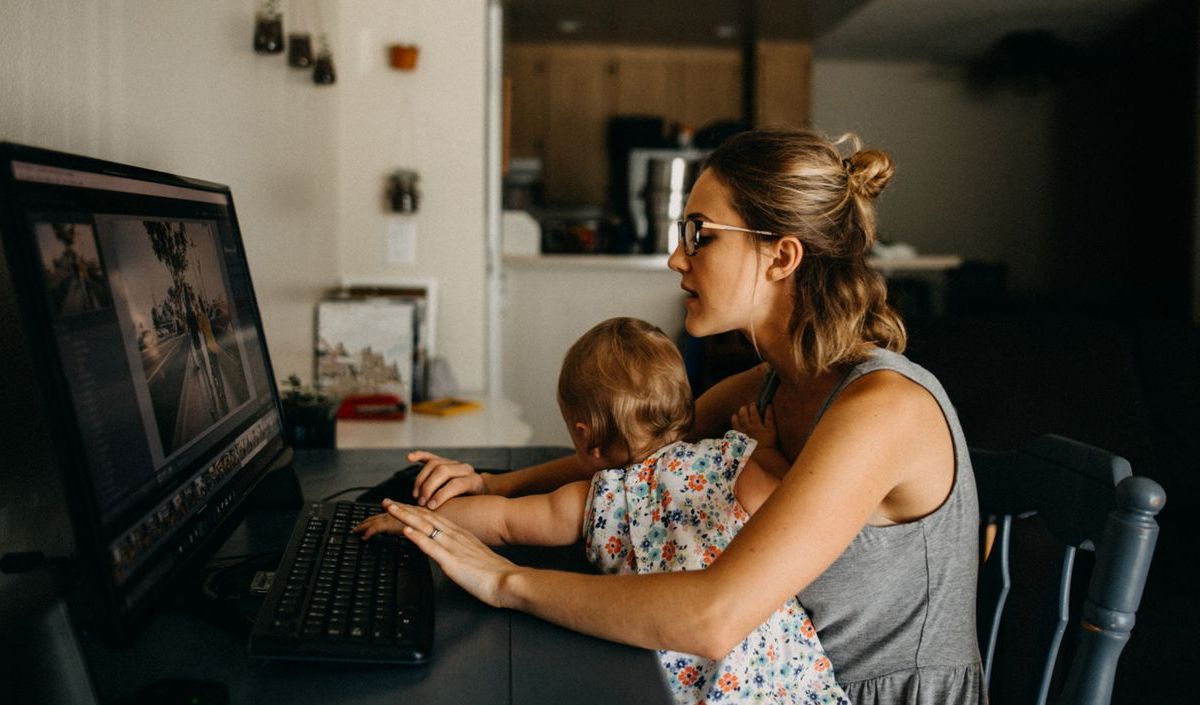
[798, 183]
[625, 380]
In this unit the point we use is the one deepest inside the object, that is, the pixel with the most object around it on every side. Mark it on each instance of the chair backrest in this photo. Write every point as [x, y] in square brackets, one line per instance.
[1087, 499]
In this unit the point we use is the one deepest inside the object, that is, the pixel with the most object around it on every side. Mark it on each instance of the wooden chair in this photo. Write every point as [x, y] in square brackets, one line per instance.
[1088, 499]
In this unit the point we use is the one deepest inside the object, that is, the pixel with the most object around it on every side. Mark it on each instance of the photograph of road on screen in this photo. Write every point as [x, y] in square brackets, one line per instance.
[179, 325]
[71, 264]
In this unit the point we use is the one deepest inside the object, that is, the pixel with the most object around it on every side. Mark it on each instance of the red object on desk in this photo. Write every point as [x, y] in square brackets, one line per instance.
[385, 407]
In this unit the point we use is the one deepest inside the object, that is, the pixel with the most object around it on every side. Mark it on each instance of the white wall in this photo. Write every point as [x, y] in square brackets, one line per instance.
[431, 120]
[548, 305]
[972, 171]
[175, 85]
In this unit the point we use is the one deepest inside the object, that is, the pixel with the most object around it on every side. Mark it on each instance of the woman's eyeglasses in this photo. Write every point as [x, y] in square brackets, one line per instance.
[690, 229]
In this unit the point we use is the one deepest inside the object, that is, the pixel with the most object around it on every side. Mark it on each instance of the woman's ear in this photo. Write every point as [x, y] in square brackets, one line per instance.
[785, 257]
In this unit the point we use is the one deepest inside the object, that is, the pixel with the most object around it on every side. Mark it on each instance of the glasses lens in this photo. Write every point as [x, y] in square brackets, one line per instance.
[691, 236]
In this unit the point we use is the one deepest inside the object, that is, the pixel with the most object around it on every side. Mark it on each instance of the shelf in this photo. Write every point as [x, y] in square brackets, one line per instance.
[920, 263]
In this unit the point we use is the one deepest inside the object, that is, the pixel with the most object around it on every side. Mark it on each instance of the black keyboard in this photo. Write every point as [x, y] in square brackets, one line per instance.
[335, 597]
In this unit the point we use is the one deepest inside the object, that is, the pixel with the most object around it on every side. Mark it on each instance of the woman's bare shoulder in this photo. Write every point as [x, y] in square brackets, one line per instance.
[910, 435]
[889, 390]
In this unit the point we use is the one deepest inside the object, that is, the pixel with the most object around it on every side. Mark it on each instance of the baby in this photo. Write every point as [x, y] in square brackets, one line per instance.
[656, 503]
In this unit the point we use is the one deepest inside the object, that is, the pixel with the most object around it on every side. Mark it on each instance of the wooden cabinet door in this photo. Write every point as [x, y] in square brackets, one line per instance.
[709, 86]
[644, 82]
[525, 67]
[579, 101]
[782, 83]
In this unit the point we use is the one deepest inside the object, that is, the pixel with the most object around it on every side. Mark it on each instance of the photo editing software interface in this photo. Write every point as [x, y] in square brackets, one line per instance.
[141, 300]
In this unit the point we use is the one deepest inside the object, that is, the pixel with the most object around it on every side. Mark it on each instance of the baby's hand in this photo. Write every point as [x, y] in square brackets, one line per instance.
[380, 524]
[750, 423]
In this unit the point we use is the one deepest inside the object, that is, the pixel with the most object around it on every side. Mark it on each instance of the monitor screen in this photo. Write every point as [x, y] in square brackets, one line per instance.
[140, 315]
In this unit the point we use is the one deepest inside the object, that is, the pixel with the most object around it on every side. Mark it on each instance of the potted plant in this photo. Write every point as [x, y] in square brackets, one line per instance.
[310, 416]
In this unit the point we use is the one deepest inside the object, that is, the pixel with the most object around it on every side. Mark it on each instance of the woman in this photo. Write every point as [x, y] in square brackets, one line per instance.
[875, 522]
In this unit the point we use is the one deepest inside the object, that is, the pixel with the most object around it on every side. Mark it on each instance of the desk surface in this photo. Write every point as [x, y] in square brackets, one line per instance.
[480, 654]
[497, 423]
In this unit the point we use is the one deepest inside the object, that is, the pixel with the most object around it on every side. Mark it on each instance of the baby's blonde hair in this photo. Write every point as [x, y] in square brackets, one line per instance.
[625, 380]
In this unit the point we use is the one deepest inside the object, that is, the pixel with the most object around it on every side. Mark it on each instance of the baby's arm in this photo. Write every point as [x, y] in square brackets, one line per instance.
[762, 430]
[553, 519]
[754, 485]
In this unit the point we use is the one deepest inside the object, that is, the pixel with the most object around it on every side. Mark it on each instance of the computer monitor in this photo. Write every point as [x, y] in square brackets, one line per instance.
[140, 319]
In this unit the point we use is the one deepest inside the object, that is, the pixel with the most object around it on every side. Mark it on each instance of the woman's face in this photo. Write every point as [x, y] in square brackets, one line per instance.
[721, 278]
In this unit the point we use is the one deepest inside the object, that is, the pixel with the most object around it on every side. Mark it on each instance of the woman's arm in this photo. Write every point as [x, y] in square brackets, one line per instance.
[868, 455]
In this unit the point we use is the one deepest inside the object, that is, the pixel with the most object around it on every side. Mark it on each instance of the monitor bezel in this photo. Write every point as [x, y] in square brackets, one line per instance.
[118, 623]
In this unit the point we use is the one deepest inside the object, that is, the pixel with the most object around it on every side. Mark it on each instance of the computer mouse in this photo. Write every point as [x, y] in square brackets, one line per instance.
[398, 487]
[184, 690]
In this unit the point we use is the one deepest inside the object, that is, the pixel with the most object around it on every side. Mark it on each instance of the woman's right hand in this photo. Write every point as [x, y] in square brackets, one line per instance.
[443, 478]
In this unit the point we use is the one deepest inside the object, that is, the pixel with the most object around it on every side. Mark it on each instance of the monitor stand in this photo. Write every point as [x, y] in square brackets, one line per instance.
[279, 488]
[41, 660]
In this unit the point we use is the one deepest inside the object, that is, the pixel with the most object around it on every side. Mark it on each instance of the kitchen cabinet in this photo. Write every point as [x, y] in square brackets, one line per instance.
[563, 94]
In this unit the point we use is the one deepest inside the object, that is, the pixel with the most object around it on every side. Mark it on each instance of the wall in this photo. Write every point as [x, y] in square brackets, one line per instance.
[431, 120]
[176, 86]
[972, 170]
[549, 303]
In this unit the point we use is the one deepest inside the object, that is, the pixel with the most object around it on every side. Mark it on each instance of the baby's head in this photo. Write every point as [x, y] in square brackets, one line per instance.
[623, 392]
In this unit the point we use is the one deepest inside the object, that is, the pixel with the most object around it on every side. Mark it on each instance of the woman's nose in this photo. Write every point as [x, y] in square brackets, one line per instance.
[678, 261]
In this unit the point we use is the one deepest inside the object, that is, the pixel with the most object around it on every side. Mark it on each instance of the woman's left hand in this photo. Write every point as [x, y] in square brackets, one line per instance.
[462, 557]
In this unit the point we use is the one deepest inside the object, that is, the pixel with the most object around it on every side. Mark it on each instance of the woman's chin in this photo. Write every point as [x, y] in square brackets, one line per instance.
[696, 327]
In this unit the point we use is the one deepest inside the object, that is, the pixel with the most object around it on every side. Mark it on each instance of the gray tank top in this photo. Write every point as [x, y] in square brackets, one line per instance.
[896, 611]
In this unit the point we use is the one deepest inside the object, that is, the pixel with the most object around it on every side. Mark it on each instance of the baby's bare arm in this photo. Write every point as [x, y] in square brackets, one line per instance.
[552, 519]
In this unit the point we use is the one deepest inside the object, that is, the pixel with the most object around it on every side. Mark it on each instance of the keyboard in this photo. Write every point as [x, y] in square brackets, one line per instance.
[335, 597]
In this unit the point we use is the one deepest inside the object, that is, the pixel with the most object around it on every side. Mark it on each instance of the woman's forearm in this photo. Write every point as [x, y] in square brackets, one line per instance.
[546, 477]
[628, 609]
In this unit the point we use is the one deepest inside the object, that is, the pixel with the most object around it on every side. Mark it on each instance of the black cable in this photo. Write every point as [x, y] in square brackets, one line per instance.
[348, 489]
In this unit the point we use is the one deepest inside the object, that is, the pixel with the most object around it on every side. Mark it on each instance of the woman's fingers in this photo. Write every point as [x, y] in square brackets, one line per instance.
[462, 557]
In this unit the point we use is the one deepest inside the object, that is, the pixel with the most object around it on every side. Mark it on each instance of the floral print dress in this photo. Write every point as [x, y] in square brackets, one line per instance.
[675, 511]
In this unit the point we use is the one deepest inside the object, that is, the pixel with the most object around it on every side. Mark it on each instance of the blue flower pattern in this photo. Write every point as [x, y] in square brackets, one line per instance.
[675, 511]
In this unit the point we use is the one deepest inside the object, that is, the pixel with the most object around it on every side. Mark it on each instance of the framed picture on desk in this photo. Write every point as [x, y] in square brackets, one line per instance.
[372, 341]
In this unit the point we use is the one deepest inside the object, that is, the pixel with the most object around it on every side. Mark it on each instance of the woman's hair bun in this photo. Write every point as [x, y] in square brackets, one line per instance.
[870, 170]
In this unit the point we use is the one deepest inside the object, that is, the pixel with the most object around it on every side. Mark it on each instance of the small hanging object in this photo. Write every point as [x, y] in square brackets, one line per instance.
[268, 28]
[300, 44]
[403, 56]
[403, 190]
[300, 53]
[323, 72]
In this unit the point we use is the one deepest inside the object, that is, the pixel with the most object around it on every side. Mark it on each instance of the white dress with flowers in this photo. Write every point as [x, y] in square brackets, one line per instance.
[675, 511]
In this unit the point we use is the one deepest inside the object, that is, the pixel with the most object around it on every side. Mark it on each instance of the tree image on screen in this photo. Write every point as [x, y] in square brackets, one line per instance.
[72, 268]
[189, 352]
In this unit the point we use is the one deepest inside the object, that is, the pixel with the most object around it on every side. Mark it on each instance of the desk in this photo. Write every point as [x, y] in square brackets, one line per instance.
[498, 423]
[480, 654]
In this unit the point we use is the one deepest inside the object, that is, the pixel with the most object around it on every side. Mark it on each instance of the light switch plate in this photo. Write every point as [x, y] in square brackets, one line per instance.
[401, 240]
